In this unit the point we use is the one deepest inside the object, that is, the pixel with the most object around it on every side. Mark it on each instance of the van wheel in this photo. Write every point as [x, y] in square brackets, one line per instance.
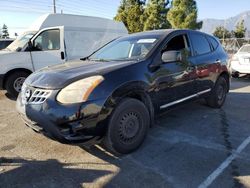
[127, 126]
[218, 93]
[14, 82]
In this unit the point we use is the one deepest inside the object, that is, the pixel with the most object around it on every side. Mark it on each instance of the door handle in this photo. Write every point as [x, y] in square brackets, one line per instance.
[62, 55]
[191, 67]
[218, 61]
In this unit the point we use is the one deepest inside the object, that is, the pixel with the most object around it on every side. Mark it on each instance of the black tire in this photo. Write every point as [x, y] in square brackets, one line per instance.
[15, 80]
[127, 127]
[235, 75]
[218, 93]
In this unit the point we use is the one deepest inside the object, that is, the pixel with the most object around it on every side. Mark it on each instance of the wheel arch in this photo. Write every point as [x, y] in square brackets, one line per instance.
[136, 90]
[13, 71]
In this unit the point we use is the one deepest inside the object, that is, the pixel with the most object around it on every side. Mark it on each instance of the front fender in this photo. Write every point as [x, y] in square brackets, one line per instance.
[133, 89]
[15, 60]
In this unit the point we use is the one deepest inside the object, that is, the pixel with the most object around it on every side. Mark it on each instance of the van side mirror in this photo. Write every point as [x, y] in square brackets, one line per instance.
[30, 45]
[171, 56]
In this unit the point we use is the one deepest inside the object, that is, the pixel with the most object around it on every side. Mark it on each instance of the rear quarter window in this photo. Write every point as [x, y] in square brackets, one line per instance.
[200, 44]
[213, 42]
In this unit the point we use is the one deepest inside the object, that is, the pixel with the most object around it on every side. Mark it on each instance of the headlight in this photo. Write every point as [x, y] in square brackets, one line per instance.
[79, 91]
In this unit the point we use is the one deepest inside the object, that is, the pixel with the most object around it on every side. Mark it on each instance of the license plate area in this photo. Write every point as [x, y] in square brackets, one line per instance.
[246, 61]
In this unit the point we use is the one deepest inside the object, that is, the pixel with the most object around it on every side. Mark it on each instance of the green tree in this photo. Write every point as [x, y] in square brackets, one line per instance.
[183, 15]
[155, 15]
[130, 12]
[240, 30]
[5, 33]
[221, 32]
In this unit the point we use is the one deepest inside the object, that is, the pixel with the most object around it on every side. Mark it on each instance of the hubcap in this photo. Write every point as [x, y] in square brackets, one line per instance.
[221, 92]
[129, 127]
[18, 83]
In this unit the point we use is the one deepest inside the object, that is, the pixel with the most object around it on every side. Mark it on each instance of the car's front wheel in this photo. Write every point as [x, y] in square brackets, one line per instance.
[127, 127]
[218, 93]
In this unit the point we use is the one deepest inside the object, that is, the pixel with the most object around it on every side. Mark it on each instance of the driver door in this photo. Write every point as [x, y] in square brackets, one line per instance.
[48, 48]
[174, 81]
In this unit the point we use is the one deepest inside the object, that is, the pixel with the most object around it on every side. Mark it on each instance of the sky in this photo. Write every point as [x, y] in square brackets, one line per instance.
[19, 14]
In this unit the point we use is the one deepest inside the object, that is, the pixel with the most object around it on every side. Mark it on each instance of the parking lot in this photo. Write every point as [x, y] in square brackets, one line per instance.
[190, 146]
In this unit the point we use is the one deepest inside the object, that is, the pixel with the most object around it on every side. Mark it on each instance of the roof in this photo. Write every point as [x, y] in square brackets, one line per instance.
[165, 32]
[68, 20]
[159, 32]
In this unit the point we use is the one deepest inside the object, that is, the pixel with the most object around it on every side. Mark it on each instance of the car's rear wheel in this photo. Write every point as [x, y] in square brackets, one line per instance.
[218, 93]
[14, 82]
[127, 127]
[236, 75]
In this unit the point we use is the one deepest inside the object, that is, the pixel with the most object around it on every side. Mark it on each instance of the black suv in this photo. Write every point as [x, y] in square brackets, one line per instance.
[114, 94]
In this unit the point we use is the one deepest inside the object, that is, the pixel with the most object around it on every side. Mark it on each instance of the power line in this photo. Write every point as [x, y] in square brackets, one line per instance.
[54, 6]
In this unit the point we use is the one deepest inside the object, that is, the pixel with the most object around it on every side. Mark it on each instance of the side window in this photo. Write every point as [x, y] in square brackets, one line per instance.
[179, 43]
[213, 42]
[200, 44]
[48, 40]
[176, 44]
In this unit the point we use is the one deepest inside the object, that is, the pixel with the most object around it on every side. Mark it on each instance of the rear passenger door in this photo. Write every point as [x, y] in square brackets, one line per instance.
[205, 60]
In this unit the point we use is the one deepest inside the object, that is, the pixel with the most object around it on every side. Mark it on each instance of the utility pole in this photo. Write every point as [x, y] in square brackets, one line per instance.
[54, 6]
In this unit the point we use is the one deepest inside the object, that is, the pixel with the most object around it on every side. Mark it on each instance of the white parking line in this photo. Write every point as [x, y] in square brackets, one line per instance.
[224, 165]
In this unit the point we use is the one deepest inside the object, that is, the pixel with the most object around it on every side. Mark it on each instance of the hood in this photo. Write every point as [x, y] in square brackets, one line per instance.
[58, 76]
[5, 51]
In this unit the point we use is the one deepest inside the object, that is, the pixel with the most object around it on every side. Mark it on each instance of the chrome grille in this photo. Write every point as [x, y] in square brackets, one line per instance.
[39, 96]
[34, 96]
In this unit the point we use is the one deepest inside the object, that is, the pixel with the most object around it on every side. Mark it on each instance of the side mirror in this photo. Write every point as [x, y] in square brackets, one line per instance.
[171, 56]
[19, 49]
[30, 45]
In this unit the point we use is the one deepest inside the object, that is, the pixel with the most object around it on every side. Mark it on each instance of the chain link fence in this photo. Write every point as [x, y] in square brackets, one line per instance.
[232, 45]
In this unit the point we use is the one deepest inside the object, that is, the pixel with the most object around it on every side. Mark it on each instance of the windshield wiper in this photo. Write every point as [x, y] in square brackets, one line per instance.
[102, 60]
[127, 59]
[84, 58]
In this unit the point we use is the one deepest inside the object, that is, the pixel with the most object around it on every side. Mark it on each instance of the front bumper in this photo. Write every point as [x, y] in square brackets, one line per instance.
[1, 81]
[70, 124]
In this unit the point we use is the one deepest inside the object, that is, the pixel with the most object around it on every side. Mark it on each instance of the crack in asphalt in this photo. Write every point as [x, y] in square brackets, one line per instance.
[229, 148]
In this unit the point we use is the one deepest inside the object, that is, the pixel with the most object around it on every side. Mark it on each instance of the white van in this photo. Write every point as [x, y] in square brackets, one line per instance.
[54, 39]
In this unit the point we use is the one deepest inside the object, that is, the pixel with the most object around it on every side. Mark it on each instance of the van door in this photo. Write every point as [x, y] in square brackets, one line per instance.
[48, 48]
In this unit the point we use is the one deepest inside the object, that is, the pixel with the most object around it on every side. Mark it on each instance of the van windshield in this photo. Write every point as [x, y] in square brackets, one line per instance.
[21, 41]
[129, 48]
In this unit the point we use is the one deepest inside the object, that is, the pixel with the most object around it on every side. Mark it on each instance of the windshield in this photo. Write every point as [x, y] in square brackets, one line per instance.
[21, 41]
[245, 49]
[129, 48]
